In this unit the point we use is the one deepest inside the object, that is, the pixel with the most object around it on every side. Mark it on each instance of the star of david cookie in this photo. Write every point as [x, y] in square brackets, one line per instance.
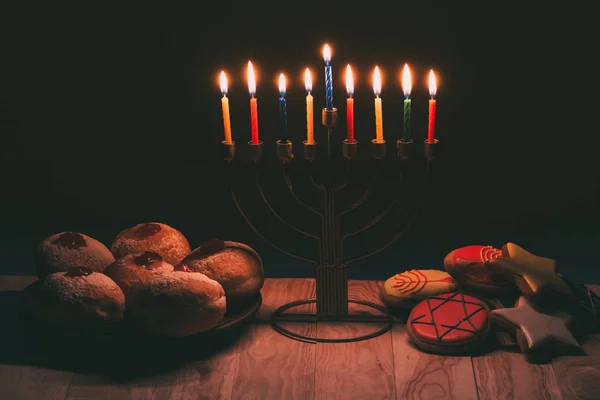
[535, 329]
[451, 323]
[408, 288]
[536, 277]
[468, 267]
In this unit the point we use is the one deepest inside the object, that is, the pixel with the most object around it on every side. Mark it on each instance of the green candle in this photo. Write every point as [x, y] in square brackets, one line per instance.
[406, 87]
[407, 119]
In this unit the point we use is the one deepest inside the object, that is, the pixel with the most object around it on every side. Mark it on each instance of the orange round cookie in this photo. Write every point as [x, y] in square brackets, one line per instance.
[410, 287]
[162, 239]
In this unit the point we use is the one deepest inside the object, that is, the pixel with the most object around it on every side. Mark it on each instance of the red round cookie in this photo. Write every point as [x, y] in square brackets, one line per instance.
[450, 323]
[468, 266]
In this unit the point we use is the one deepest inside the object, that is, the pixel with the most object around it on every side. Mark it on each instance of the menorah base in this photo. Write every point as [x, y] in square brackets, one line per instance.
[279, 317]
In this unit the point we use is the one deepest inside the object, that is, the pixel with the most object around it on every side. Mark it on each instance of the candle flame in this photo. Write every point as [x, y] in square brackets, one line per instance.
[223, 79]
[432, 84]
[326, 53]
[376, 82]
[282, 85]
[308, 80]
[349, 81]
[251, 79]
[406, 81]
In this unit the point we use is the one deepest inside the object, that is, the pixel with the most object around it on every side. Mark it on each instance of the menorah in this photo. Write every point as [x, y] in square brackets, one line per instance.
[332, 298]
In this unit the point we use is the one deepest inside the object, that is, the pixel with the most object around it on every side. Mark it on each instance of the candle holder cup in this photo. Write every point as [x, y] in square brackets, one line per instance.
[329, 117]
[349, 149]
[337, 247]
[310, 150]
[431, 149]
[378, 149]
[283, 151]
[228, 151]
[405, 149]
[255, 150]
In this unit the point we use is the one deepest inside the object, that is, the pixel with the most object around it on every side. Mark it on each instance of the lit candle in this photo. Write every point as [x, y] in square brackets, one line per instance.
[282, 109]
[350, 104]
[432, 107]
[328, 80]
[253, 103]
[225, 107]
[406, 88]
[378, 108]
[310, 125]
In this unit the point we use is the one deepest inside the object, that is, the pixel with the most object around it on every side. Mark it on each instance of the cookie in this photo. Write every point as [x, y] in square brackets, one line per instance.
[467, 265]
[506, 339]
[534, 329]
[410, 287]
[536, 277]
[451, 323]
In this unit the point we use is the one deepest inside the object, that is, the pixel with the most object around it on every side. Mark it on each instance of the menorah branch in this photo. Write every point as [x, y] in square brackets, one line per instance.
[288, 183]
[394, 239]
[276, 214]
[373, 221]
[260, 235]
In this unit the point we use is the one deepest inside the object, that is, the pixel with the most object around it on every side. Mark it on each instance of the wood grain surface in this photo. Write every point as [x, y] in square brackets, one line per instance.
[355, 370]
[262, 364]
[579, 376]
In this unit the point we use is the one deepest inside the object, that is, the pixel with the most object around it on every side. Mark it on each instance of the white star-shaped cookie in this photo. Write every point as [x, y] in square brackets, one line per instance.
[538, 328]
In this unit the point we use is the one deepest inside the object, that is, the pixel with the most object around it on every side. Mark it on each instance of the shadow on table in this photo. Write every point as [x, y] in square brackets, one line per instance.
[118, 357]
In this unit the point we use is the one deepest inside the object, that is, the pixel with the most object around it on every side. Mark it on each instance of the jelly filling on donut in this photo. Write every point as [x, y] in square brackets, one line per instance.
[70, 240]
[79, 271]
[147, 259]
[146, 230]
[210, 247]
[182, 268]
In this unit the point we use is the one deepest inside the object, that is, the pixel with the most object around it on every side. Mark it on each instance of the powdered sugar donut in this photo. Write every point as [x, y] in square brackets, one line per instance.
[78, 300]
[179, 304]
[236, 266]
[168, 242]
[132, 271]
[64, 250]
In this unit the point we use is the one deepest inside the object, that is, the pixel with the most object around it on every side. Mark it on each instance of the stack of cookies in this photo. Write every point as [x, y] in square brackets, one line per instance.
[486, 292]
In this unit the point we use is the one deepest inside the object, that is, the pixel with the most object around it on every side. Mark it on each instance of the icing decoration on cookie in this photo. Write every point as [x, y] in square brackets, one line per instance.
[538, 328]
[419, 283]
[450, 317]
[535, 273]
[471, 261]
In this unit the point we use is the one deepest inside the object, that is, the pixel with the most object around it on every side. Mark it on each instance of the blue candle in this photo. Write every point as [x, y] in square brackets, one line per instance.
[328, 79]
[282, 109]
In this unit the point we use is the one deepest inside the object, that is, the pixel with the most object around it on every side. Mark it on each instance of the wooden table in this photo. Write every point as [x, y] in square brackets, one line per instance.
[265, 365]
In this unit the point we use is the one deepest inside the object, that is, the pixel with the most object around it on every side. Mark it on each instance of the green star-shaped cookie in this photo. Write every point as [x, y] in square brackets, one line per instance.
[538, 328]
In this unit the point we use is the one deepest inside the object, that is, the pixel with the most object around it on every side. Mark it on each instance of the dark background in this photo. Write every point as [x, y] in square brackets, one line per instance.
[111, 117]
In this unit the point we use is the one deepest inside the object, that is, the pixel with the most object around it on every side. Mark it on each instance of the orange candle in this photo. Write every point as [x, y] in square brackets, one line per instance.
[225, 108]
[253, 104]
[432, 107]
[310, 125]
[350, 104]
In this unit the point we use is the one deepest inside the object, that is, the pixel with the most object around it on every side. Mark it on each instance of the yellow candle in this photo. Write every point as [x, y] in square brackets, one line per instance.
[225, 107]
[310, 125]
[378, 107]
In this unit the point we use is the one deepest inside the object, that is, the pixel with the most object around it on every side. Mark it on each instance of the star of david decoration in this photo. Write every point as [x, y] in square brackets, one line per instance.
[453, 317]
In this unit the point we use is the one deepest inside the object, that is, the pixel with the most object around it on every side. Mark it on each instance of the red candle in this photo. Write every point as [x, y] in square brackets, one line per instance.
[432, 107]
[350, 104]
[253, 104]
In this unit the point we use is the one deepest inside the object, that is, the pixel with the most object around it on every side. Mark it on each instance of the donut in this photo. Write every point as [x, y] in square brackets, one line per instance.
[468, 266]
[79, 300]
[168, 242]
[133, 270]
[450, 323]
[236, 266]
[61, 251]
[178, 304]
[408, 288]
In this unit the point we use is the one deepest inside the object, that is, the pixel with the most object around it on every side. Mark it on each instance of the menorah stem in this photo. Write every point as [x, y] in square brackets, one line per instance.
[332, 291]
